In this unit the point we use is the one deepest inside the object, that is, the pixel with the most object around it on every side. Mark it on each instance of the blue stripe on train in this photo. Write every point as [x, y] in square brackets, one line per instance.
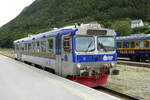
[96, 58]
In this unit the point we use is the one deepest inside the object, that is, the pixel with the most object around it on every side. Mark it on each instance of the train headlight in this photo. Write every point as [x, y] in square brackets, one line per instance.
[79, 66]
[105, 65]
[113, 64]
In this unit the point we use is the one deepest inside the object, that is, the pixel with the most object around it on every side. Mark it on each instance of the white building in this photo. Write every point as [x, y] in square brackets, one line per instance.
[136, 23]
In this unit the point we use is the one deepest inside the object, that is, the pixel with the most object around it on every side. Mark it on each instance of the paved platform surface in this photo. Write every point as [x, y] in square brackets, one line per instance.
[19, 81]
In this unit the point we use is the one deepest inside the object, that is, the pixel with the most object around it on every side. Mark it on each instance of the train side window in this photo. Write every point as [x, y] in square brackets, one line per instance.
[141, 44]
[22, 47]
[147, 44]
[66, 44]
[137, 44]
[119, 44]
[17, 47]
[29, 47]
[37, 46]
[43, 46]
[26, 47]
[51, 45]
[132, 44]
[34, 44]
[125, 44]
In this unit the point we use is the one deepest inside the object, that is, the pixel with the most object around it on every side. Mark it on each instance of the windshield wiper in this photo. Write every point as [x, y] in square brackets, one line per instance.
[88, 46]
[102, 46]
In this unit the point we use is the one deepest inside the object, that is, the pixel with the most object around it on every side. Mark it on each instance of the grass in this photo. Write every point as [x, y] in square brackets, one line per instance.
[7, 52]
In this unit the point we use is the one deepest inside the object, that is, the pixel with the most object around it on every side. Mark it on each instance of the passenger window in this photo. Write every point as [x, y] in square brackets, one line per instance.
[132, 44]
[119, 44]
[66, 44]
[137, 44]
[141, 44]
[17, 47]
[125, 44]
[34, 43]
[37, 46]
[147, 44]
[22, 47]
[26, 47]
[43, 46]
[29, 47]
[51, 45]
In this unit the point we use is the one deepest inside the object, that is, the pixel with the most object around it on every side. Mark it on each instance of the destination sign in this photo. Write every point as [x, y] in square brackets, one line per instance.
[96, 32]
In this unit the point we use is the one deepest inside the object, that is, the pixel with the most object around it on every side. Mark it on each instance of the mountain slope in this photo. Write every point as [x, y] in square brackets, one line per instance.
[43, 15]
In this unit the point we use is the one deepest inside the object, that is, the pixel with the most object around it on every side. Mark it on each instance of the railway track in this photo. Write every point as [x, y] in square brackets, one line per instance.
[115, 93]
[133, 63]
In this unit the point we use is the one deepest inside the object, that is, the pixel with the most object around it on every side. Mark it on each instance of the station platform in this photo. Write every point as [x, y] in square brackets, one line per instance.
[19, 81]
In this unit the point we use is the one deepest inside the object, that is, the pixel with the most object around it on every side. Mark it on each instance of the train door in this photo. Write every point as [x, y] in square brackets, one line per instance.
[58, 67]
[66, 55]
[19, 51]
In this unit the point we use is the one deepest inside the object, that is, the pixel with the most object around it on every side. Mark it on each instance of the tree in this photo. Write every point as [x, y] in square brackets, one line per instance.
[123, 28]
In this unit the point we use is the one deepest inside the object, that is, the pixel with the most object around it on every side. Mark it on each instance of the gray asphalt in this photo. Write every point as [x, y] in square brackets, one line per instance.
[19, 81]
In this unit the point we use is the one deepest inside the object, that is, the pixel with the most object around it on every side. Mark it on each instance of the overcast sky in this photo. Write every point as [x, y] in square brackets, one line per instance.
[9, 9]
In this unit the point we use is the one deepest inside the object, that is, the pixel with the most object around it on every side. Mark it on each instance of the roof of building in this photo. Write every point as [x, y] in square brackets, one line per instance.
[136, 21]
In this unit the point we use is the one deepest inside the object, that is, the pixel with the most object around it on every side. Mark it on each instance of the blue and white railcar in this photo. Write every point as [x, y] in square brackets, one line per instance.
[84, 53]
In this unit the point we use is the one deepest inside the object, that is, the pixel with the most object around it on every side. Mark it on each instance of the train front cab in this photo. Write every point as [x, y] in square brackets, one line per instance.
[94, 58]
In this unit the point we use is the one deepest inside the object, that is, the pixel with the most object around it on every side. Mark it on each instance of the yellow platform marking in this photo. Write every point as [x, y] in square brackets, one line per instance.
[41, 54]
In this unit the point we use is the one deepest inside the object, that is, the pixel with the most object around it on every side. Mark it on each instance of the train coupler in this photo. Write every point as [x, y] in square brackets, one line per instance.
[115, 72]
[95, 78]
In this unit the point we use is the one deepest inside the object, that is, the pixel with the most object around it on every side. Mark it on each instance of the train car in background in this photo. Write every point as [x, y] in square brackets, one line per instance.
[83, 53]
[136, 47]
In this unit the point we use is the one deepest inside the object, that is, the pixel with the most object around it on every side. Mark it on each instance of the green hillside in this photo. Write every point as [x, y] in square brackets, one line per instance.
[43, 15]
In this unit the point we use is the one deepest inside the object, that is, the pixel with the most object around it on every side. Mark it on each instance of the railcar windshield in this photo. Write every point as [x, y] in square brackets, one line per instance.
[105, 44]
[85, 44]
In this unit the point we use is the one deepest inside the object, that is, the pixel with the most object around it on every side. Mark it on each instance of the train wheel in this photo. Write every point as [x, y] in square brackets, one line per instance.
[142, 59]
[15, 58]
[131, 58]
[136, 58]
[49, 70]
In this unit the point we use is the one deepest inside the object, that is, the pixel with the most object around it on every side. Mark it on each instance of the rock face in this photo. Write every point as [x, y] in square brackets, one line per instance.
[133, 81]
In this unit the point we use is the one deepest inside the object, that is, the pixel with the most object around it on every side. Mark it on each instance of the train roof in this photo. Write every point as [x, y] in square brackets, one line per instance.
[134, 37]
[62, 31]
[51, 33]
